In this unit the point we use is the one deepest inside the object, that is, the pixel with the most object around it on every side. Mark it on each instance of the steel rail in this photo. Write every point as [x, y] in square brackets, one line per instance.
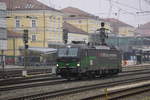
[32, 78]
[63, 92]
[43, 78]
[33, 84]
[122, 93]
[52, 81]
[18, 73]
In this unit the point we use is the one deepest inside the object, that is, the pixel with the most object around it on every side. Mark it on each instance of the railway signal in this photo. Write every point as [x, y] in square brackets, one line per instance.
[65, 36]
[25, 36]
[25, 40]
[26, 46]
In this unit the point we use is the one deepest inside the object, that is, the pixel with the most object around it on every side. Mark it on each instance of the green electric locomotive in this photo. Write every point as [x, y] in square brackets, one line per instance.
[77, 62]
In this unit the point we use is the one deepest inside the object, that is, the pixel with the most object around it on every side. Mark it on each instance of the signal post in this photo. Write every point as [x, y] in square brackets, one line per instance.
[25, 40]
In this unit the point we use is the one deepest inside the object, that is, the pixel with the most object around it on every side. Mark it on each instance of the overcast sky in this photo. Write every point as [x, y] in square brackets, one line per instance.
[124, 10]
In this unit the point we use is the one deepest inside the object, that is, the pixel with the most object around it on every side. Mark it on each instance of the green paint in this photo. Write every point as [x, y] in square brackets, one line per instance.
[85, 62]
[64, 64]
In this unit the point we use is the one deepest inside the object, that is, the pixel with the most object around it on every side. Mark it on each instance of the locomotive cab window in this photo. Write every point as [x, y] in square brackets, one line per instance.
[68, 52]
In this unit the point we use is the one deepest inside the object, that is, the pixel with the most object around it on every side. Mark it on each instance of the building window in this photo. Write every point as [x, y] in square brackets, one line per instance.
[33, 23]
[29, 5]
[17, 23]
[34, 38]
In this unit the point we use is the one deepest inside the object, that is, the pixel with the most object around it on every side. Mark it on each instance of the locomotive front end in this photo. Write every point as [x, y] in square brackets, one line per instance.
[68, 62]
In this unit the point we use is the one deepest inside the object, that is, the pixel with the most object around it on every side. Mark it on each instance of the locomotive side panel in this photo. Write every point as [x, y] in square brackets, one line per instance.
[94, 59]
[75, 62]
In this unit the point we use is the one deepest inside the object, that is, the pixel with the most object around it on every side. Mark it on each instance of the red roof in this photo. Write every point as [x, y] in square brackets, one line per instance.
[76, 12]
[26, 5]
[72, 29]
[116, 22]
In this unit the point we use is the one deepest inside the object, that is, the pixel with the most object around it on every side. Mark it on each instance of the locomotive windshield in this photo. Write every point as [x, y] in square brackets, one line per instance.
[67, 52]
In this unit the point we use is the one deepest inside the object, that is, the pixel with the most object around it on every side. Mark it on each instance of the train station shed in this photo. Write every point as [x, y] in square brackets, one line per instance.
[43, 50]
[39, 56]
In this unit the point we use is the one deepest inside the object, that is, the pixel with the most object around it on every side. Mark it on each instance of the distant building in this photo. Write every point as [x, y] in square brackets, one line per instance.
[3, 32]
[120, 28]
[81, 19]
[143, 30]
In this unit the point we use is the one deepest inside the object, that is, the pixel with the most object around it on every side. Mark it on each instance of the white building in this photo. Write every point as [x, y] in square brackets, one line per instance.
[3, 27]
[75, 34]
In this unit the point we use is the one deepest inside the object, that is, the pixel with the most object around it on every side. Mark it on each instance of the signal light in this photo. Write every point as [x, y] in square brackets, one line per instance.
[25, 36]
[26, 46]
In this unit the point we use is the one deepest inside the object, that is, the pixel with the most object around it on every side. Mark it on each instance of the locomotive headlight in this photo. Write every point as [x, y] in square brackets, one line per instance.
[78, 65]
[57, 65]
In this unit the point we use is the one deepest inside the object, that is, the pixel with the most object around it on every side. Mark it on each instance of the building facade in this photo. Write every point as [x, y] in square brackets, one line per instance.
[44, 24]
[83, 20]
[120, 28]
[3, 33]
[86, 22]
[75, 34]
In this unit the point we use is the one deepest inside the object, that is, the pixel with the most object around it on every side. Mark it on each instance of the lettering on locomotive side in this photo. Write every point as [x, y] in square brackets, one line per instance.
[107, 55]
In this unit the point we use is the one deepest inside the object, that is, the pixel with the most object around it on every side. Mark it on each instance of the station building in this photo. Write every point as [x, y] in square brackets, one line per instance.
[3, 30]
[83, 20]
[120, 28]
[44, 24]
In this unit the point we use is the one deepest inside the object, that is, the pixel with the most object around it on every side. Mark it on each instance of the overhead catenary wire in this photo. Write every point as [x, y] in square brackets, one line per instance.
[123, 10]
[125, 5]
[138, 10]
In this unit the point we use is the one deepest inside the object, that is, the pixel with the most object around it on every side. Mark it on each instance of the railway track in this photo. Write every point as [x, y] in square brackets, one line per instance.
[18, 72]
[33, 78]
[60, 92]
[30, 82]
[58, 95]
[43, 81]
[121, 94]
[44, 77]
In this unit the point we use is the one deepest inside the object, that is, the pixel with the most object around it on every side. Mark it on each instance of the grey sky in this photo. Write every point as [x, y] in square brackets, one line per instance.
[124, 10]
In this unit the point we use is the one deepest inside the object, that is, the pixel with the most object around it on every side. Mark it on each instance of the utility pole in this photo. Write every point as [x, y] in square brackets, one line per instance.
[25, 40]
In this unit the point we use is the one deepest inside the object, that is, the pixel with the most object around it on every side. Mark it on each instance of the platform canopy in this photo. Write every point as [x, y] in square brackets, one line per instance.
[43, 50]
